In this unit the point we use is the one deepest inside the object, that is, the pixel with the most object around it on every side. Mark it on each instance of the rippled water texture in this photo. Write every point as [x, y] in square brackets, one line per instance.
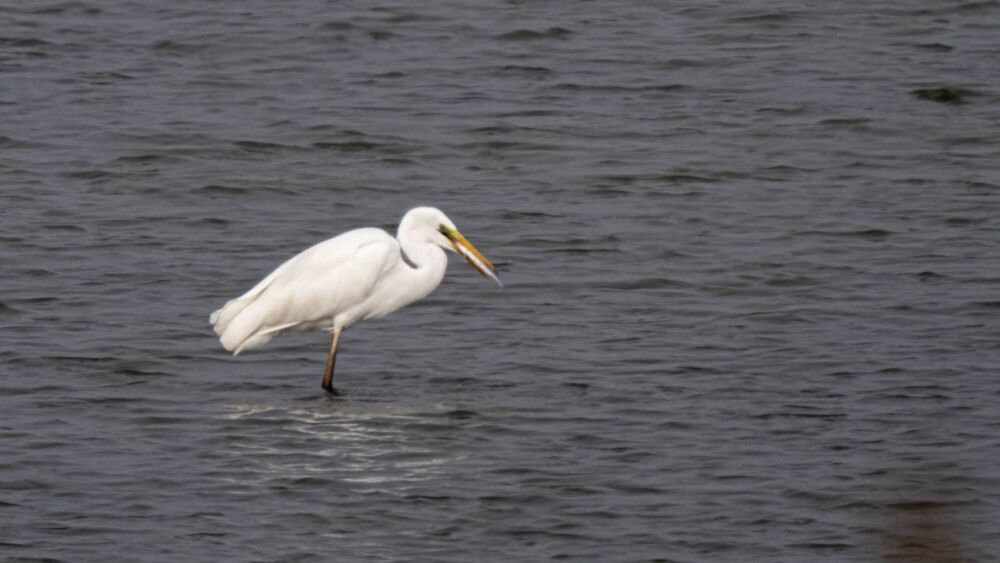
[750, 253]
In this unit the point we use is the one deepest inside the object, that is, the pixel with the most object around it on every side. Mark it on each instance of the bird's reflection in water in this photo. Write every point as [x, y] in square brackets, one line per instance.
[359, 445]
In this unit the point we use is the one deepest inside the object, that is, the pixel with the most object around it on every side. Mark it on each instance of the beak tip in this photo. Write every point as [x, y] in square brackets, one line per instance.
[475, 258]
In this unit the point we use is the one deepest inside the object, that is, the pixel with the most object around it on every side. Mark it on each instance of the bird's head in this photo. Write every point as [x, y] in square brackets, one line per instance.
[440, 230]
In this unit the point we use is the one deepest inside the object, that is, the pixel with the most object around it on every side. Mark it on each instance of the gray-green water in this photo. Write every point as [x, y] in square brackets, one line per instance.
[751, 281]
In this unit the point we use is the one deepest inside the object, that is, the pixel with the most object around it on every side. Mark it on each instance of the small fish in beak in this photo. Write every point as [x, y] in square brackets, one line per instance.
[471, 254]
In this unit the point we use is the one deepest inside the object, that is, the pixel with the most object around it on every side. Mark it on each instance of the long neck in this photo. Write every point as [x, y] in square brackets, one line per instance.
[425, 265]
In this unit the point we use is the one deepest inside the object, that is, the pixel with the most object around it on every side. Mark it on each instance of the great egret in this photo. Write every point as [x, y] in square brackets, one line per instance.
[357, 275]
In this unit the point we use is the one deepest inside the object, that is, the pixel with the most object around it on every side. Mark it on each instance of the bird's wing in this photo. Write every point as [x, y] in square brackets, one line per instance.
[221, 318]
[333, 278]
[313, 287]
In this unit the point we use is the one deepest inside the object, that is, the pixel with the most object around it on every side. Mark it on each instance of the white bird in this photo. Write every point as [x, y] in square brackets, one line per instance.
[361, 274]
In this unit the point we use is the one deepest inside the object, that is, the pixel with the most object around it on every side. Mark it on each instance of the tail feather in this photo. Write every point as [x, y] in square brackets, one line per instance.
[243, 324]
[233, 324]
[236, 323]
[251, 320]
[257, 339]
[222, 318]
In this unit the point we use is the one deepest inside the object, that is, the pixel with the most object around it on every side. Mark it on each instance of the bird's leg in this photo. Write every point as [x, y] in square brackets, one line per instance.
[330, 360]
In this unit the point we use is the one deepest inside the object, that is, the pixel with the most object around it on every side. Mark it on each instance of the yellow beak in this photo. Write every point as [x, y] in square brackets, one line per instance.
[471, 254]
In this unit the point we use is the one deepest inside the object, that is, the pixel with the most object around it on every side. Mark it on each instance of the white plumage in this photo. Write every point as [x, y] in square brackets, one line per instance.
[358, 275]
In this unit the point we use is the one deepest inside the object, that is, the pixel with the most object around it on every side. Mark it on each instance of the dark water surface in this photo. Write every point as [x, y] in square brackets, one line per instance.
[752, 281]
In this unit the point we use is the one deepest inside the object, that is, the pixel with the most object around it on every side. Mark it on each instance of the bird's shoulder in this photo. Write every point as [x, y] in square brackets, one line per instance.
[348, 245]
[365, 247]
[360, 256]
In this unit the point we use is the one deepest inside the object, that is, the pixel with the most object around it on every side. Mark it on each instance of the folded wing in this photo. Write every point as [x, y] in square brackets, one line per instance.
[309, 290]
